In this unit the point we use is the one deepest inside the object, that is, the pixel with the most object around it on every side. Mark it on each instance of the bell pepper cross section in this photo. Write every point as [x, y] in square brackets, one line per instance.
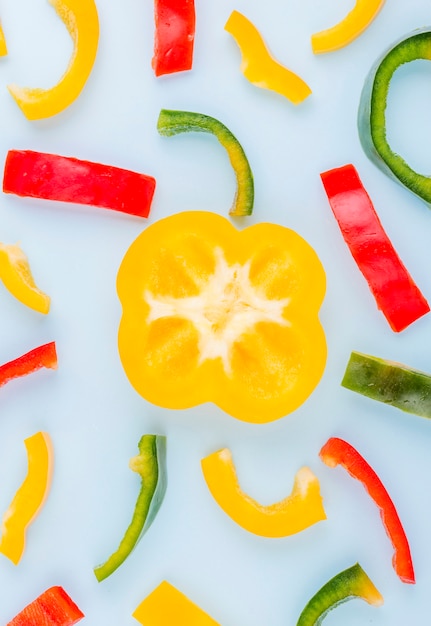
[66, 179]
[15, 273]
[54, 607]
[394, 290]
[335, 452]
[174, 36]
[42, 356]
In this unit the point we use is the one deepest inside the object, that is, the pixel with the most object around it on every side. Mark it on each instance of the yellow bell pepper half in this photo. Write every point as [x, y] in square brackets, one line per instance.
[211, 313]
[353, 25]
[15, 273]
[82, 22]
[299, 510]
[258, 65]
[29, 498]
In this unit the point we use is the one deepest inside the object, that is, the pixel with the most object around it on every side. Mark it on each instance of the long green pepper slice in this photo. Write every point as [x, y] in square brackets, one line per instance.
[174, 122]
[150, 464]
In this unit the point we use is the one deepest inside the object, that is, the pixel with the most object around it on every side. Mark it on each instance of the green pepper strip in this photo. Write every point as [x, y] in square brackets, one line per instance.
[150, 464]
[174, 122]
[350, 583]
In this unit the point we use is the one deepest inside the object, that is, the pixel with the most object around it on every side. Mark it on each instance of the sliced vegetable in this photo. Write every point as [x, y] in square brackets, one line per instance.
[29, 498]
[66, 179]
[259, 66]
[394, 290]
[174, 36]
[353, 25]
[16, 276]
[352, 582]
[150, 464]
[338, 452]
[42, 356]
[372, 111]
[3, 44]
[53, 607]
[81, 20]
[166, 605]
[302, 508]
[390, 382]
[222, 315]
[174, 122]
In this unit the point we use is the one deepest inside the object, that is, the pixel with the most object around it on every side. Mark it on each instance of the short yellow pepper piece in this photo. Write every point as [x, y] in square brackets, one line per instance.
[3, 45]
[258, 65]
[15, 273]
[343, 33]
[166, 606]
[81, 20]
[299, 510]
[29, 498]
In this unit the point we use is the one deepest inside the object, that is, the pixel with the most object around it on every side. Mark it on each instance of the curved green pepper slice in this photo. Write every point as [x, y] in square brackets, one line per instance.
[150, 464]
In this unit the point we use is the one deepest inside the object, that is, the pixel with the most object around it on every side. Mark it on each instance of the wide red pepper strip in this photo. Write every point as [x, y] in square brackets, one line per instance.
[66, 179]
[42, 356]
[394, 290]
[53, 607]
[338, 452]
[174, 36]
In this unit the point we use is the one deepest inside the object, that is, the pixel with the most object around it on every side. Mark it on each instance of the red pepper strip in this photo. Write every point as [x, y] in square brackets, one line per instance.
[66, 179]
[394, 290]
[42, 356]
[174, 36]
[53, 607]
[338, 452]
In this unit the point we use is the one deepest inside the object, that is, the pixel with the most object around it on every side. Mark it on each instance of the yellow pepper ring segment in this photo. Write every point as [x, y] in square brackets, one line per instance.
[15, 273]
[216, 314]
[258, 65]
[353, 25]
[29, 498]
[81, 20]
[299, 510]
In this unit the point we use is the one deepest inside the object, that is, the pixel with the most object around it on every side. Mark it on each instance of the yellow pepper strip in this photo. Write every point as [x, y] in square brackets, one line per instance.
[258, 65]
[3, 45]
[29, 498]
[81, 20]
[302, 508]
[343, 33]
[16, 276]
[166, 606]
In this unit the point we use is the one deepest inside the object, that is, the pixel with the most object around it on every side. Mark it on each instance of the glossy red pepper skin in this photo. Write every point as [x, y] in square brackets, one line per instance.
[394, 290]
[339, 452]
[66, 179]
[174, 36]
[42, 356]
[53, 607]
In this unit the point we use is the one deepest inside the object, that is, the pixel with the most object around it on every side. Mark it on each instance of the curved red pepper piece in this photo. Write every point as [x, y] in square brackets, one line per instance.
[338, 452]
[42, 356]
[174, 36]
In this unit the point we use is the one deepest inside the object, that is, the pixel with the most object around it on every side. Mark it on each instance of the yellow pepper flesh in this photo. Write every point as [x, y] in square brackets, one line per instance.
[3, 44]
[82, 22]
[16, 276]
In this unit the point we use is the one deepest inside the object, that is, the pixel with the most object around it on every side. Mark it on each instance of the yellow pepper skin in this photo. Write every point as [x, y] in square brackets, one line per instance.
[3, 44]
[353, 25]
[258, 65]
[82, 22]
[212, 313]
[166, 606]
[16, 276]
[299, 510]
[29, 498]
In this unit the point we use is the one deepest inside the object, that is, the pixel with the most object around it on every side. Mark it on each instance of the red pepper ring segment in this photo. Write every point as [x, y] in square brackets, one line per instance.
[174, 36]
[42, 356]
[394, 290]
[67, 179]
[338, 452]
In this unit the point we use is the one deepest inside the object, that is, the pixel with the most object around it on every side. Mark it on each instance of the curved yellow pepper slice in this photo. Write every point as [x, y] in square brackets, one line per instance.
[259, 66]
[82, 22]
[29, 498]
[15, 273]
[299, 510]
[212, 313]
[353, 25]
[3, 44]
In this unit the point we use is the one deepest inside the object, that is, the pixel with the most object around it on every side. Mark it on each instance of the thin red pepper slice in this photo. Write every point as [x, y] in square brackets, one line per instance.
[338, 452]
[394, 290]
[53, 607]
[174, 36]
[67, 179]
[42, 356]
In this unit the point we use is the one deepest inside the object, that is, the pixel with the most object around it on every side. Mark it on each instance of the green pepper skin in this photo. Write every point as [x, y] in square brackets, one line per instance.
[372, 111]
[389, 382]
[174, 122]
[350, 583]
